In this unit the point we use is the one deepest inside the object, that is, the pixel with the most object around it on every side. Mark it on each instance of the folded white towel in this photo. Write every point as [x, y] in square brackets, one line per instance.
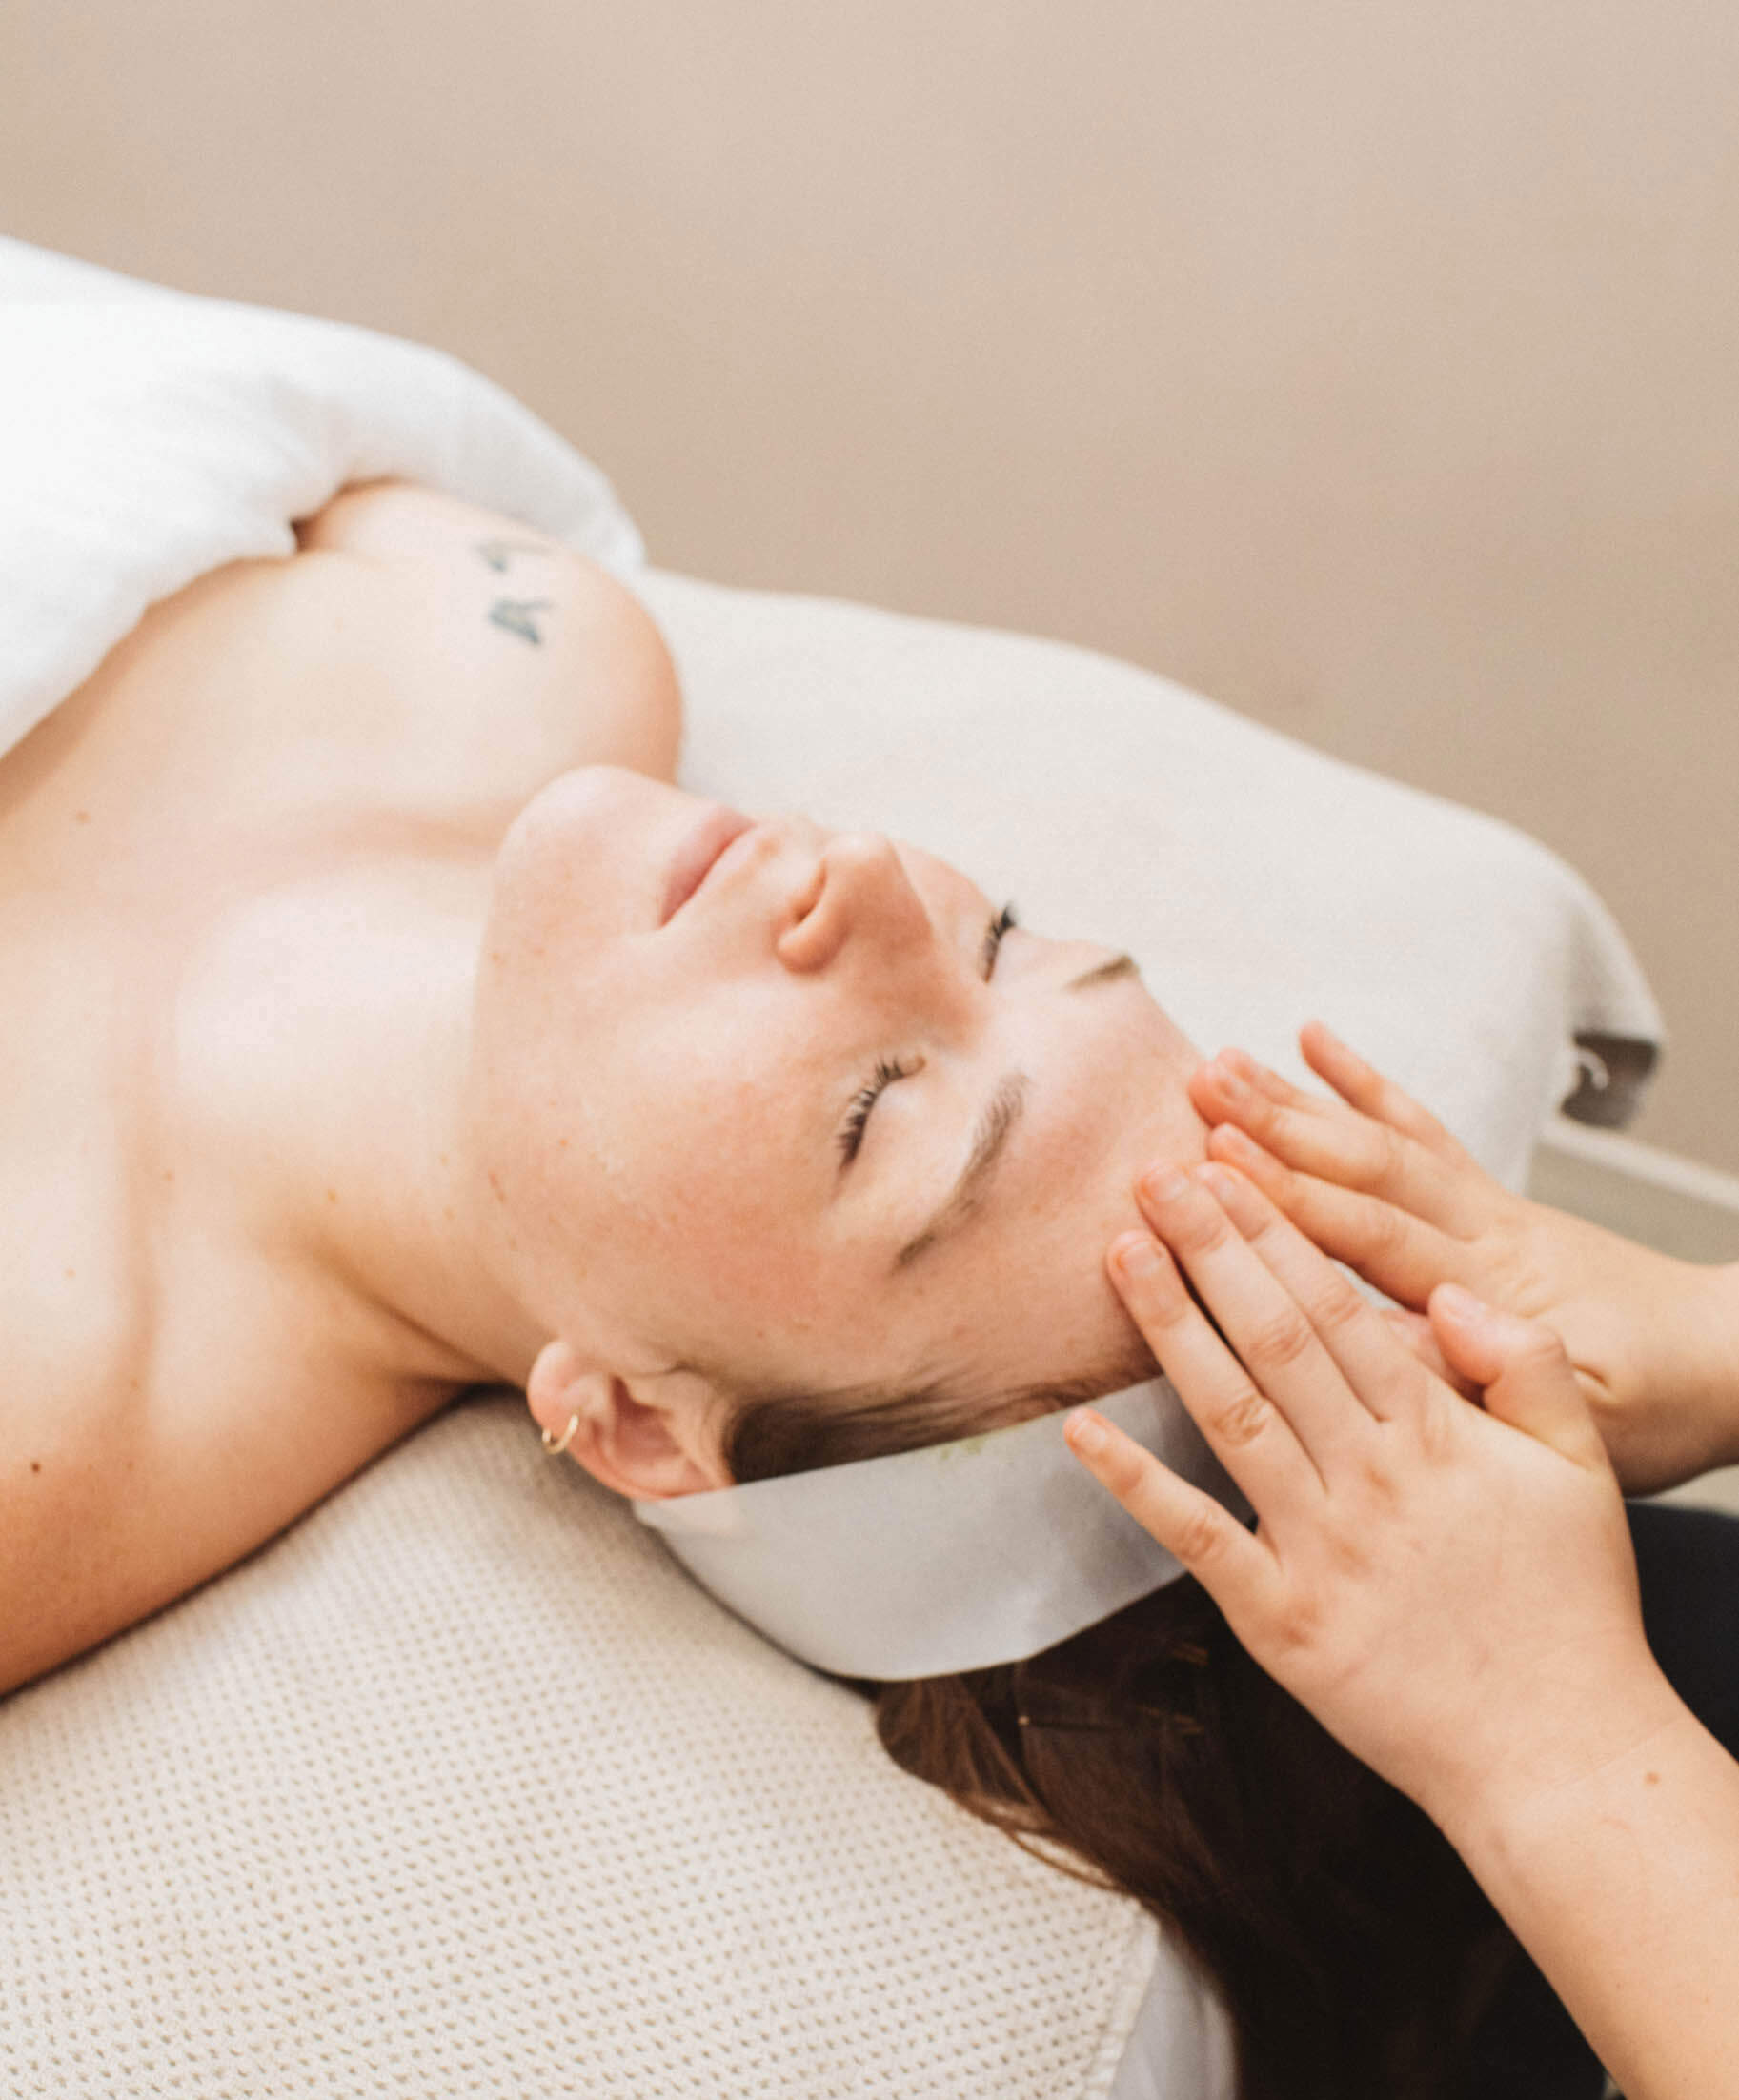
[149, 436]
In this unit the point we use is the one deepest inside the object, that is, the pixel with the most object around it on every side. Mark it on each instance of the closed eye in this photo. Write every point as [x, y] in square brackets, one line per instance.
[993, 938]
[888, 1070]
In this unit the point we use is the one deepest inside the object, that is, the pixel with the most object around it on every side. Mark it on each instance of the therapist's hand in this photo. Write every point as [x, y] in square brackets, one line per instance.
[1450, 1591]
[1378, 1183]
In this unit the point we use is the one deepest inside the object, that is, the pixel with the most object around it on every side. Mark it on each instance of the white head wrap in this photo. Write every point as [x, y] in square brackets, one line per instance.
[950, 1557]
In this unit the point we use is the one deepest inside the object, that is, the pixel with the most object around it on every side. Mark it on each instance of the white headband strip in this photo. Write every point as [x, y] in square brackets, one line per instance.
[950, 1557]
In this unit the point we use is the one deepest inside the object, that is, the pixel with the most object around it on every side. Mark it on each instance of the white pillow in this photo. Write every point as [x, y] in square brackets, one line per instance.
[1255, 881]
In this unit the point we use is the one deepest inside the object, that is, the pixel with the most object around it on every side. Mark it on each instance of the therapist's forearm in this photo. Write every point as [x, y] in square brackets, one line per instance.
[1624, 1887]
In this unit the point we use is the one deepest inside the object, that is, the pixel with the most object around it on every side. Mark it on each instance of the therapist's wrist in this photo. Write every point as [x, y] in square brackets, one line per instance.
[1526, 1765]
[1621, 1884]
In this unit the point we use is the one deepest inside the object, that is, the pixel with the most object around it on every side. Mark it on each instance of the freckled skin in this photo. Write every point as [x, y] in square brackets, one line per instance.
[584, 1154]
[657, 1107]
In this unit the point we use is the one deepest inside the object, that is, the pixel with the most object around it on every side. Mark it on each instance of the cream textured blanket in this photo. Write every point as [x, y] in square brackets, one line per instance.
[461, 1789]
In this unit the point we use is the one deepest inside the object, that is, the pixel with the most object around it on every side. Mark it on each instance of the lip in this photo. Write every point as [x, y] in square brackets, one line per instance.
[698, 854]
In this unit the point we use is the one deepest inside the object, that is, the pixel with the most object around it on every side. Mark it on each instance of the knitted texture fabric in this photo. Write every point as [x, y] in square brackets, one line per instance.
[448, 1791]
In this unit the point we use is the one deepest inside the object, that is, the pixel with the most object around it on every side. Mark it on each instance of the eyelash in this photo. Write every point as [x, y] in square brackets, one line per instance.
[888, 1070]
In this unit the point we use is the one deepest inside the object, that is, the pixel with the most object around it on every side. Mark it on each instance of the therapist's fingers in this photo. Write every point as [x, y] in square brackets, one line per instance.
[1335, 1141]
[1389, 1247]
[1378, 1365]
[1410, 1328]
[1248, 1433]
[1414, 1330]
[1362, 1086]
[1525, 1370]
[1262, 1320]
[1235, 1568]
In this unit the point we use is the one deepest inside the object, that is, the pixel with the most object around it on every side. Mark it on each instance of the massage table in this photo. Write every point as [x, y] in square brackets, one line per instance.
[461, 1785]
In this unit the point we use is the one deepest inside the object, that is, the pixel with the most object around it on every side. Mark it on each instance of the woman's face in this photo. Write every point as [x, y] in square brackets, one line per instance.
[671, 1110]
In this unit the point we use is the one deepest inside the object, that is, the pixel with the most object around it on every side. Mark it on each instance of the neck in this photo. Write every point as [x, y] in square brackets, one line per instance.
[375, 1169]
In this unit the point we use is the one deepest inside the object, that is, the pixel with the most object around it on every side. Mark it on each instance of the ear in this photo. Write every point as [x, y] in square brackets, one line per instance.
[635, 1446]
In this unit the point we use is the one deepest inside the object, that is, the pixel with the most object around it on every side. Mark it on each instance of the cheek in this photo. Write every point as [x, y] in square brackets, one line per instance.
[1057, 1311]
[711, 1231]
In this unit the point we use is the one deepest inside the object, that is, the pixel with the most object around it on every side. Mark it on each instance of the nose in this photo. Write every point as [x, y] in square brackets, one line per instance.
[862, 896]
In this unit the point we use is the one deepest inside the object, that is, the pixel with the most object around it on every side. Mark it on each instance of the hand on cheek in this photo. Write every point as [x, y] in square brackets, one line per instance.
[1370, 1176]
[1450, 1591]
[1374, 1180]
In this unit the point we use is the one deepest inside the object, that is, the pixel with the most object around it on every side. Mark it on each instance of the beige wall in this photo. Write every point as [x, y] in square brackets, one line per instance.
[1371, 367]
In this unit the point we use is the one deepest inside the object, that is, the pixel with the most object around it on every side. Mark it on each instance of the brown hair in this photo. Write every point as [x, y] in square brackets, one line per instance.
[1351, 1948]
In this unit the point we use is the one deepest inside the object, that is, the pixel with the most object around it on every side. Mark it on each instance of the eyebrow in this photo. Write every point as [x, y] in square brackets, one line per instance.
[990, 1139]
[996, 1127]
[1104, 973]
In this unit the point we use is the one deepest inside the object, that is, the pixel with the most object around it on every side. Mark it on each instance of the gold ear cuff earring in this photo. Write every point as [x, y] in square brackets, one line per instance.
[556, 1445]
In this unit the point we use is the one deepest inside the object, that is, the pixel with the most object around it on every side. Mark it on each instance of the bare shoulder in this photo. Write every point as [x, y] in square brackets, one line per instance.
[507, 599]
[179, 1386]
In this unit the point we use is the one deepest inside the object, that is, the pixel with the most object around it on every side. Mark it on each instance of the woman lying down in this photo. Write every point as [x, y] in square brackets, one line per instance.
[384, 1022]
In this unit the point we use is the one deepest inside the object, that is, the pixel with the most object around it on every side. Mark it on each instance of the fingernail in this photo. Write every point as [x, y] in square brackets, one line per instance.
[1164, 1185]
[1230, 1084]
[1223, 1184]
[1085, 1432]
[1458, 1303]
[1138, 1256]
[1236, 1141]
